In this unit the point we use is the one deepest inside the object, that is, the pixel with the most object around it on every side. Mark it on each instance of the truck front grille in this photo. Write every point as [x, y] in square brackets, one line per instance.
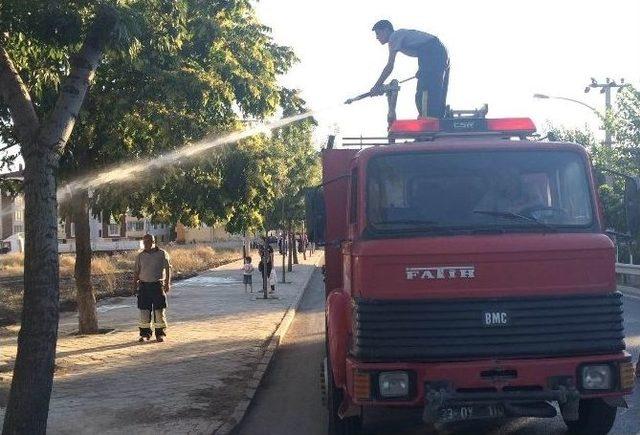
[386, 330]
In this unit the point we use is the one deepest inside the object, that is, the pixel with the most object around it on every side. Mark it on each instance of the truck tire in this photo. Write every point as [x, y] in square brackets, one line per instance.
[595, 417]
[337, 425]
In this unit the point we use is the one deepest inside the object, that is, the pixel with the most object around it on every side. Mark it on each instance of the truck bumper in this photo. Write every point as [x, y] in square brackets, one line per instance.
[508, 382]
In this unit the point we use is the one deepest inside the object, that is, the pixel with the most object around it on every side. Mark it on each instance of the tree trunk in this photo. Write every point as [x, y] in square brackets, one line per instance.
[291, 248]
[304, 245]
[264, 258]
[244, 245]
[123, 225]
[33, 373]
[284, 255]
[85, 297]
[28, 405]
[295, 249]
[106, 219]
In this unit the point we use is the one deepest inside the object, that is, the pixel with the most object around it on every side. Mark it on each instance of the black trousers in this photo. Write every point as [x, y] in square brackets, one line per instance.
[433, 77]
[261, 268]
[152, 303]
[151, 296]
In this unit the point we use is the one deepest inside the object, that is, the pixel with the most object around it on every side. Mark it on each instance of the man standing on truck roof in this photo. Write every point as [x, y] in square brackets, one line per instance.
[433, 65]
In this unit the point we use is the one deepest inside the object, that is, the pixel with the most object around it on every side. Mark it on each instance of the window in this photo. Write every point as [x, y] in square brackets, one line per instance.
[18, 215]
[432, 192]
[114, 230]
[18, 229]
[135, 226]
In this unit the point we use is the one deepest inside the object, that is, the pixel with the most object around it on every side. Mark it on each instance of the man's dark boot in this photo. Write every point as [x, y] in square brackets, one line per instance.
[145, 334]
[160, 334]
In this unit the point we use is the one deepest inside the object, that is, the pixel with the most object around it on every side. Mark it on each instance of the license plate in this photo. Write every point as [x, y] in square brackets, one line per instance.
[469, 412]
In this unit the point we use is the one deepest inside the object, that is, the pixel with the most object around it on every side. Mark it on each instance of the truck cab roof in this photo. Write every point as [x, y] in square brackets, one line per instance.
[463, 130]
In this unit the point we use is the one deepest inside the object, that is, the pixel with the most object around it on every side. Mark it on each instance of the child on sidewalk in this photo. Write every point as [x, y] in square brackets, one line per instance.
[272, 280]
[247, 271]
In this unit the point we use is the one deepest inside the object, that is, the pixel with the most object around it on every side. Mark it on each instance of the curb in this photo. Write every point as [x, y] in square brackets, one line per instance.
[274, 342]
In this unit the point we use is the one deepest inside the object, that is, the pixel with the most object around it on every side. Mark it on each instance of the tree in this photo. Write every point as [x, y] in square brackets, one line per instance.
[189, 64]
[298, 168]
[603, 157]
[45, 31]
[623, 157]
[625, 123]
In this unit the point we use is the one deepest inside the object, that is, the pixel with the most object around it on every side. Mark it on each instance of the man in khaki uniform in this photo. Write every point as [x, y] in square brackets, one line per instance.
[152, 282]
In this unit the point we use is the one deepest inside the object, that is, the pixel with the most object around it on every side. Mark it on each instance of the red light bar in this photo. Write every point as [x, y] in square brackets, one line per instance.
[511, 124]
[422, 125]
[415, 127]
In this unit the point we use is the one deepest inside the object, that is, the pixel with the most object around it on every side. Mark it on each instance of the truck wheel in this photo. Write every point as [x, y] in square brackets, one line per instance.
[595, 417]
[337, 425]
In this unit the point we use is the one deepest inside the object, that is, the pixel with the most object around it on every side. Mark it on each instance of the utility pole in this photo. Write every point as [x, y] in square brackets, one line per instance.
[283, 245]
[605, 88]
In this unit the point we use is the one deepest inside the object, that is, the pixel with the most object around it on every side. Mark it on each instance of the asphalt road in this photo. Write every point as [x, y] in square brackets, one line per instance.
[288, 401]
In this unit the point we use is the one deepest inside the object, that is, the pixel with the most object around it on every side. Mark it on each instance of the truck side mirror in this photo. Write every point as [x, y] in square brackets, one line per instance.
[632, 204]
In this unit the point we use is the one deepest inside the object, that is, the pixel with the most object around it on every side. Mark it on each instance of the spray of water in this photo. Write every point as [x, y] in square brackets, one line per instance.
[129, 171]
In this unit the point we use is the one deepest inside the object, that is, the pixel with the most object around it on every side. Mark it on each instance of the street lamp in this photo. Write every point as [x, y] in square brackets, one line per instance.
[543, 96]
[607, 139]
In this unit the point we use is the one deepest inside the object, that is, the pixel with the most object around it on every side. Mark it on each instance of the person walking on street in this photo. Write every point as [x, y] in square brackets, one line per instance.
[433, 65]
[152, 282]
[266, 254]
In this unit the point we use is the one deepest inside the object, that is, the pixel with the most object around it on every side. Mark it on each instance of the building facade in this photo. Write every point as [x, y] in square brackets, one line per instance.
[132, 228]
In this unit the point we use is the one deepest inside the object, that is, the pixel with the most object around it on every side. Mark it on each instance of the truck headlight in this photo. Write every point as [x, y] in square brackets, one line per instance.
[597, 377]
[393, 384]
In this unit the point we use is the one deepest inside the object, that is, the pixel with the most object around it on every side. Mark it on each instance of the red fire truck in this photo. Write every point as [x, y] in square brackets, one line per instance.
[468, 276]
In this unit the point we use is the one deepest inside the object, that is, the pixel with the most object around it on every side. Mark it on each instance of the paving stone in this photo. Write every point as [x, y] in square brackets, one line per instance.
[111, 384]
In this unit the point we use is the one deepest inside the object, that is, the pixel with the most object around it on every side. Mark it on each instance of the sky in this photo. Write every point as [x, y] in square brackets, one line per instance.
[502, 52]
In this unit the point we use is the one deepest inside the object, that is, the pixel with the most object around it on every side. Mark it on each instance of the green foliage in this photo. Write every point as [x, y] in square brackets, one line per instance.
[603, 157]
[295, 167]
[176, 72]
[623, 157]
[625, 124]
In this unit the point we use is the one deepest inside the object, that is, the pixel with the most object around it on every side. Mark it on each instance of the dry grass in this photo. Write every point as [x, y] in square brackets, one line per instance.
[188, 260]
[11, 264]
[67, 264]
[124, 261]
[185, 259]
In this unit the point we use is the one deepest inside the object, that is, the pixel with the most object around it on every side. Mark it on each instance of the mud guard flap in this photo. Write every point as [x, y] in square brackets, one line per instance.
[338, 324]
[570, 410]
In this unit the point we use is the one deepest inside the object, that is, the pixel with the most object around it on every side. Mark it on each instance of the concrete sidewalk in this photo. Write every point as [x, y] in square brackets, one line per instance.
[192, 383]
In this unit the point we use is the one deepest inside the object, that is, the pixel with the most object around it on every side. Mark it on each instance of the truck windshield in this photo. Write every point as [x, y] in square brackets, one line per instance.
[478, 191]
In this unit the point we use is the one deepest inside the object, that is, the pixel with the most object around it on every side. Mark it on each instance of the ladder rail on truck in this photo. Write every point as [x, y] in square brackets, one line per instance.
[404, 308]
